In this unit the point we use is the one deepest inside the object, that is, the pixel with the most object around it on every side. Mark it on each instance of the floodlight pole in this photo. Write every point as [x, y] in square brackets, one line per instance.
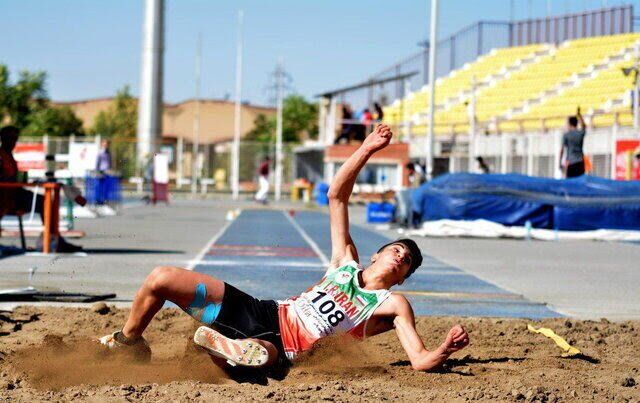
[150, 103]
[636, 90]
[280, 95]
[433, 45]
[196, 120]
[235, 152]
[472, 126]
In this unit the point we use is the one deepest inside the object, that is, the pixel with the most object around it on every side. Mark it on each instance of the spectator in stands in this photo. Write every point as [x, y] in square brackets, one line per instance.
[572, 141]
[415, 177]
[103, 163]
[360, 130]
[366, 117]
[263, 181]
[483, 165]
[347, 125]
[19, 198]
[379, 112]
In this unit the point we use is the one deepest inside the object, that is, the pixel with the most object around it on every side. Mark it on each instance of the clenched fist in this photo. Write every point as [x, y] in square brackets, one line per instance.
[378, 139]
[456, 340]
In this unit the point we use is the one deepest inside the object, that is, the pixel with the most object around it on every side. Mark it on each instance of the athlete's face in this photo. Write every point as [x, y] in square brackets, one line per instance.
[395, 260]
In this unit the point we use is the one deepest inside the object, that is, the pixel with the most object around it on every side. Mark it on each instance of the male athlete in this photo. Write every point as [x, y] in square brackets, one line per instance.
[348, 299]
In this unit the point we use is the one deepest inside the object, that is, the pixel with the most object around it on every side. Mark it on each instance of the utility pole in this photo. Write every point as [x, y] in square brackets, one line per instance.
[280, 84]
[235, 152]
[433, 40]
[196, 120]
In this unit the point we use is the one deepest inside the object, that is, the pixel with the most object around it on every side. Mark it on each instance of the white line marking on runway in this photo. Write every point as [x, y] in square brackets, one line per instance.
[310, 241]
[278, 263]
[209, 244]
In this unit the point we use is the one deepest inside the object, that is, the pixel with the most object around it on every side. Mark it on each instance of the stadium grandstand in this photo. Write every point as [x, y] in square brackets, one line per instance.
[535, 86]
[504, 91]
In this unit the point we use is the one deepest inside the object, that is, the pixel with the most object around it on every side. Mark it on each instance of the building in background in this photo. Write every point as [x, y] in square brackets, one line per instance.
[216, 118]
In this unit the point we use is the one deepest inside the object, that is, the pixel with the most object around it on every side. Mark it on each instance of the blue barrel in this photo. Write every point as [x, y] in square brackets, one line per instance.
[111, 188]
[320, 193]
[380, 212]
[102, 189]
[92, 189]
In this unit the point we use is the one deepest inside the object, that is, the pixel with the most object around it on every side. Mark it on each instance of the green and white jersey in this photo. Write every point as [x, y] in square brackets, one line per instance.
[337, 304]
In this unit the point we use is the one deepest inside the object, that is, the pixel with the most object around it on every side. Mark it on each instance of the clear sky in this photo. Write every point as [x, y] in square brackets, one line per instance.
[90, 48]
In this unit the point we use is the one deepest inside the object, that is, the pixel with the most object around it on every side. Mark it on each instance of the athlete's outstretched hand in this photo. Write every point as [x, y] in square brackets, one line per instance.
[456, 340]
[378, 139]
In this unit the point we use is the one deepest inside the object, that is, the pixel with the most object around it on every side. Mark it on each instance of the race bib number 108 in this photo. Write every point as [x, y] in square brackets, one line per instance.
[328, 308]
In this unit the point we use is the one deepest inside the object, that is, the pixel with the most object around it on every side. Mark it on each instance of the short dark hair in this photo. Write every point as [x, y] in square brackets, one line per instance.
[573, 121]
[416, 254]
[9, 131]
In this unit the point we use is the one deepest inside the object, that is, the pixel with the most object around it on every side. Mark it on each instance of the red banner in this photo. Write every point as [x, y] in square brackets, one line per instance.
[627, 165]
[29, 156]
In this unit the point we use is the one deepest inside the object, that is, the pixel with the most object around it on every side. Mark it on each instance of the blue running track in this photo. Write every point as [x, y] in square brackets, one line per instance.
[271, 255]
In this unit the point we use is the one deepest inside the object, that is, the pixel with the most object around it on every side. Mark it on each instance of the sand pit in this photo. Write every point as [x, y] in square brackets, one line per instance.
[46, 353]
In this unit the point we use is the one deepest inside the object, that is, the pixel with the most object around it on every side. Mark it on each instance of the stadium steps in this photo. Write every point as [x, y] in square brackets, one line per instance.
[532, 56]
[591, 72]
[583, 72]
[492, 79]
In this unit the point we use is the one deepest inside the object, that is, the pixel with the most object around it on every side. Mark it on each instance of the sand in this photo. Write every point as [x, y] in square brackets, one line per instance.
[46, 353]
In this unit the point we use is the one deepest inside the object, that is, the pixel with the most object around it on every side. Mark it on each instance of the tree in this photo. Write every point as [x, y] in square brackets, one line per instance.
[26, 105]
[264, 129]
[120, 119]
[19, 100]
[53, 121]
[299, 120]
[119, 123]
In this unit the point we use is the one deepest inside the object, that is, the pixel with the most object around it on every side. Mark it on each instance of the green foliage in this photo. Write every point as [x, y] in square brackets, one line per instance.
[19, 100]
[119, 123]
[53, 121]
[25, 104]
[299, 120]
[120, 119]
[264, 129]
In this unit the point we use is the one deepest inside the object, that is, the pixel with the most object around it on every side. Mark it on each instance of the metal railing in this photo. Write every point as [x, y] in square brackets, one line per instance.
[213, 160]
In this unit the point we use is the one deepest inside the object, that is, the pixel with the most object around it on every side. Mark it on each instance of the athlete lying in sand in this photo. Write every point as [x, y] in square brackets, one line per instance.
[348, 299]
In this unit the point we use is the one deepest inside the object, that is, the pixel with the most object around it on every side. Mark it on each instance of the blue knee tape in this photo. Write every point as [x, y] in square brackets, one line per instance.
[200, 309]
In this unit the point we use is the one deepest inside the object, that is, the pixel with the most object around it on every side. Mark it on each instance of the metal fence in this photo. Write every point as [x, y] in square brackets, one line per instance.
[481, 37]
[537, 153]
[212, 164]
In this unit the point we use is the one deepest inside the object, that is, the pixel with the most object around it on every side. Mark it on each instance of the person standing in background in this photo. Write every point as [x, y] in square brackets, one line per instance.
[103, 162]
[573, 141]
[263, 181]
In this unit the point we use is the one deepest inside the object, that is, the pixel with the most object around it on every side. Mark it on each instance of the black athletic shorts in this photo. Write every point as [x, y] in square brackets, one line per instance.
[576, 169]
[243, 316]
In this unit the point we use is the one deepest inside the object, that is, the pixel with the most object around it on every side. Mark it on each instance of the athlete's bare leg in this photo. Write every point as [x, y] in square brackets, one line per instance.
[178, 286]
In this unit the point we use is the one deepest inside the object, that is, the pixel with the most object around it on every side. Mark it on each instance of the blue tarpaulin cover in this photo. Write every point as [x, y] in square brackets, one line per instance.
[584, 203]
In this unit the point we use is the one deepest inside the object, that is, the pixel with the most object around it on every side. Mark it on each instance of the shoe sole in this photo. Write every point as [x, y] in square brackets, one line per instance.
[243, 352]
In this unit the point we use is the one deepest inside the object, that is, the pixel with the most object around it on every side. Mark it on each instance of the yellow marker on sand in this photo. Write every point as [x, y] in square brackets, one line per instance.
[569, 350]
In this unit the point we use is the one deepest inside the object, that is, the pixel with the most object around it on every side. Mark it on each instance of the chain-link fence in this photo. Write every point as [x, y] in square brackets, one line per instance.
[212, 164]
[538, 154]
[479, 38]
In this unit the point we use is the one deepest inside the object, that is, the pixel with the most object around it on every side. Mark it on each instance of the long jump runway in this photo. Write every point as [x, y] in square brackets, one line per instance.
[271, 255]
